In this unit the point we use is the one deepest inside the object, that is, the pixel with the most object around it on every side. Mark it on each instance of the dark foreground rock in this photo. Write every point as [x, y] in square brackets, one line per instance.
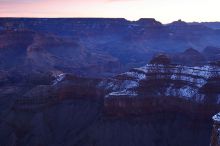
[82, 123]
[76, 111]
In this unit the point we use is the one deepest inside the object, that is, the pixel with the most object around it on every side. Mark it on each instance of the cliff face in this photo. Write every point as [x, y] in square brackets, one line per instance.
[146, 106]
[215, 139]
[156, 87]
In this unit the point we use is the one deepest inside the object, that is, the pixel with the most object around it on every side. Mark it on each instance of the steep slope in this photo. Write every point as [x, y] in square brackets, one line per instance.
[189, 57]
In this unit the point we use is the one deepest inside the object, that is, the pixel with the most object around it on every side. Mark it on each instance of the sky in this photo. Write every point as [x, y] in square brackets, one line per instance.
[162, 10]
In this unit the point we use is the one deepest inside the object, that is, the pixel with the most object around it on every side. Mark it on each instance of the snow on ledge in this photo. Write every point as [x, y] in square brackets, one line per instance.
[216, 118]
[59, 78]
[123, 93]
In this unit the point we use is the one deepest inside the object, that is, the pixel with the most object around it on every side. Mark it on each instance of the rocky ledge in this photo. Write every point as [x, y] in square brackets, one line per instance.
[63, 87]
[215, 139]
[157, 87]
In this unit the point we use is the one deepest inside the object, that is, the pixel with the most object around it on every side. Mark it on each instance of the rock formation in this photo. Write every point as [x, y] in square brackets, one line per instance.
[157, 87]
[152, 105]
[161, 59]
[215, 139]
[190, 57]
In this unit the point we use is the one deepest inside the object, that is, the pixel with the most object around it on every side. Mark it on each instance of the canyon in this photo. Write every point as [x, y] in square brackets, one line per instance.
[157, 104]
[95, 82]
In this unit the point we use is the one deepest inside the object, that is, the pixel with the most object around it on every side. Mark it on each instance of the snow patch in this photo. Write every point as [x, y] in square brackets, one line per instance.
[216, 117]
[122, 93]
[125, 89]
[59, 78]
[187, 91]
[111, 85]
[203, 71]
[128, 84]
[137, 76]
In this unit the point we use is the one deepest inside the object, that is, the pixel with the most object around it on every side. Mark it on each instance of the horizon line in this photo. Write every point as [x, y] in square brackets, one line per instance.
[35, 17]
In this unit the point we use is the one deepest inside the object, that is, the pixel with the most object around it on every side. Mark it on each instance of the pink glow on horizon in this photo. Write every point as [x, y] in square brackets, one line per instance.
[165, 11]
